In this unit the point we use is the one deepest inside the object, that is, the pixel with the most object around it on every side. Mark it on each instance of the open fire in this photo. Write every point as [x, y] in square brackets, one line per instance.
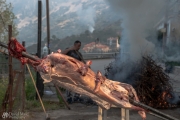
[152, 84]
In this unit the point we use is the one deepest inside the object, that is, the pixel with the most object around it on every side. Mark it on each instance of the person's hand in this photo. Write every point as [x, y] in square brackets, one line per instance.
[59, 51]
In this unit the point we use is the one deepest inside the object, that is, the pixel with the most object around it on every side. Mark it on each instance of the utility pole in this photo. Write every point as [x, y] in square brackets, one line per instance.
[48, 29]
[48, 45]
[39, 81]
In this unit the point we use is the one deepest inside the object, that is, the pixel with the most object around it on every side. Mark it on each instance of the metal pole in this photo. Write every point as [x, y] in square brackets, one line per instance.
[10, 74]
[48, 28]
[152, 110]
[39, 81]
[39, 28]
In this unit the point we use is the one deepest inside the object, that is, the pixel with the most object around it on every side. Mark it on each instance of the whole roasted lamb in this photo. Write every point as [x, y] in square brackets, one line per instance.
[76, 76]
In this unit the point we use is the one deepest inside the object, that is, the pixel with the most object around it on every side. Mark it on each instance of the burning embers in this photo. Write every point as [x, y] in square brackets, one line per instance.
[150, 81]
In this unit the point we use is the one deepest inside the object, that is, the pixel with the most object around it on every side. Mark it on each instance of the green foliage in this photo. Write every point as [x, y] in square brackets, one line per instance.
[54, 37]
[4, 60]
[6, 18]
[29, 89]
[35, 105]
[172, 63]
[85, 37]
[3, 87]
[59, 97]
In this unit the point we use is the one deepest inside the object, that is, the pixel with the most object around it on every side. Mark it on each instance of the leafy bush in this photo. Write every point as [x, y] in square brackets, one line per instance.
[3, 87]
[30, 90]
[172, 63]
[29, 87]
[59, 97]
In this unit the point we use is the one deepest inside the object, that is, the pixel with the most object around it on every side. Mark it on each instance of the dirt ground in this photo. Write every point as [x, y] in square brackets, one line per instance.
[82, 112]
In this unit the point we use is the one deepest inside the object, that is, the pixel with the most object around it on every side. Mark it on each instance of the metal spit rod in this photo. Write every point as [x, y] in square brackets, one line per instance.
[152, 110]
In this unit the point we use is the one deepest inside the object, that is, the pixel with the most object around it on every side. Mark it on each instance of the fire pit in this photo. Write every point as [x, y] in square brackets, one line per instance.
[152, 84]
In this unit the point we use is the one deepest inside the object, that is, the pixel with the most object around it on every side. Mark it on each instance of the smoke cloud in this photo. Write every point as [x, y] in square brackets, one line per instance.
[87, 17]
[139, 17]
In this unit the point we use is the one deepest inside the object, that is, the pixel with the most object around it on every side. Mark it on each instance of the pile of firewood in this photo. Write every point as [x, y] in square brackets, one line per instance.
[149, 80]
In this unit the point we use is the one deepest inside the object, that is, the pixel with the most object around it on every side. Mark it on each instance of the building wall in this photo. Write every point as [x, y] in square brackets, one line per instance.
[172, 19]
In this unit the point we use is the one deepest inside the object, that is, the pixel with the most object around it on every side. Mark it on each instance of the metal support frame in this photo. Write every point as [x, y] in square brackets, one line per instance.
[10, 95]
[102, 114]
[124, 114]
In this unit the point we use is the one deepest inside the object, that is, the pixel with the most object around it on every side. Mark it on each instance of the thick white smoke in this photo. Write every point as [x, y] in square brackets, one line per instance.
[139, 16]
[87, 17]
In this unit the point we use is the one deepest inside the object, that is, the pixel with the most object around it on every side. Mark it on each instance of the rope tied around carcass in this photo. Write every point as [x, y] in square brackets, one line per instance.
[15, 50]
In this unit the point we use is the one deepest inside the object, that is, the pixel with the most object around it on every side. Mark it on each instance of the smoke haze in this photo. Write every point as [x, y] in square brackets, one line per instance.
[87, 17]
[139, 16]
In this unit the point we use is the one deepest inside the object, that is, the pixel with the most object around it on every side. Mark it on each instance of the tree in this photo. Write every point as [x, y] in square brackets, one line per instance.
[54, 37]
[7, 17]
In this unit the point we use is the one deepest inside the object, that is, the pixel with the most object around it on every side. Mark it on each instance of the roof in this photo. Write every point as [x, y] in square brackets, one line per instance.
[92, 45]
[112, 38]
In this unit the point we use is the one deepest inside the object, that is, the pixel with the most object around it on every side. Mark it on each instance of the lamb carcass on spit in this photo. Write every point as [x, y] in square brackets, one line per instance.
[76, 76]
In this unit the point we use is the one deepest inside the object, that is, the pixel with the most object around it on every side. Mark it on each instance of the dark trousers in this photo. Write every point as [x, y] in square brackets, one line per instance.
[72, 97]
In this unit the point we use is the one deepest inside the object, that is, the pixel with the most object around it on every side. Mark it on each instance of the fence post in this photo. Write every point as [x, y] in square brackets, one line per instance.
[100, 113]
[104, 114]
[23, 84]
[124, 114]
[10, 75]
[127, 114]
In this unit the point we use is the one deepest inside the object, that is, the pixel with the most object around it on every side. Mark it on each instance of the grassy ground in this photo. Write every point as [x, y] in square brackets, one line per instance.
[3, 87]
[34, 105]
[31, 104]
